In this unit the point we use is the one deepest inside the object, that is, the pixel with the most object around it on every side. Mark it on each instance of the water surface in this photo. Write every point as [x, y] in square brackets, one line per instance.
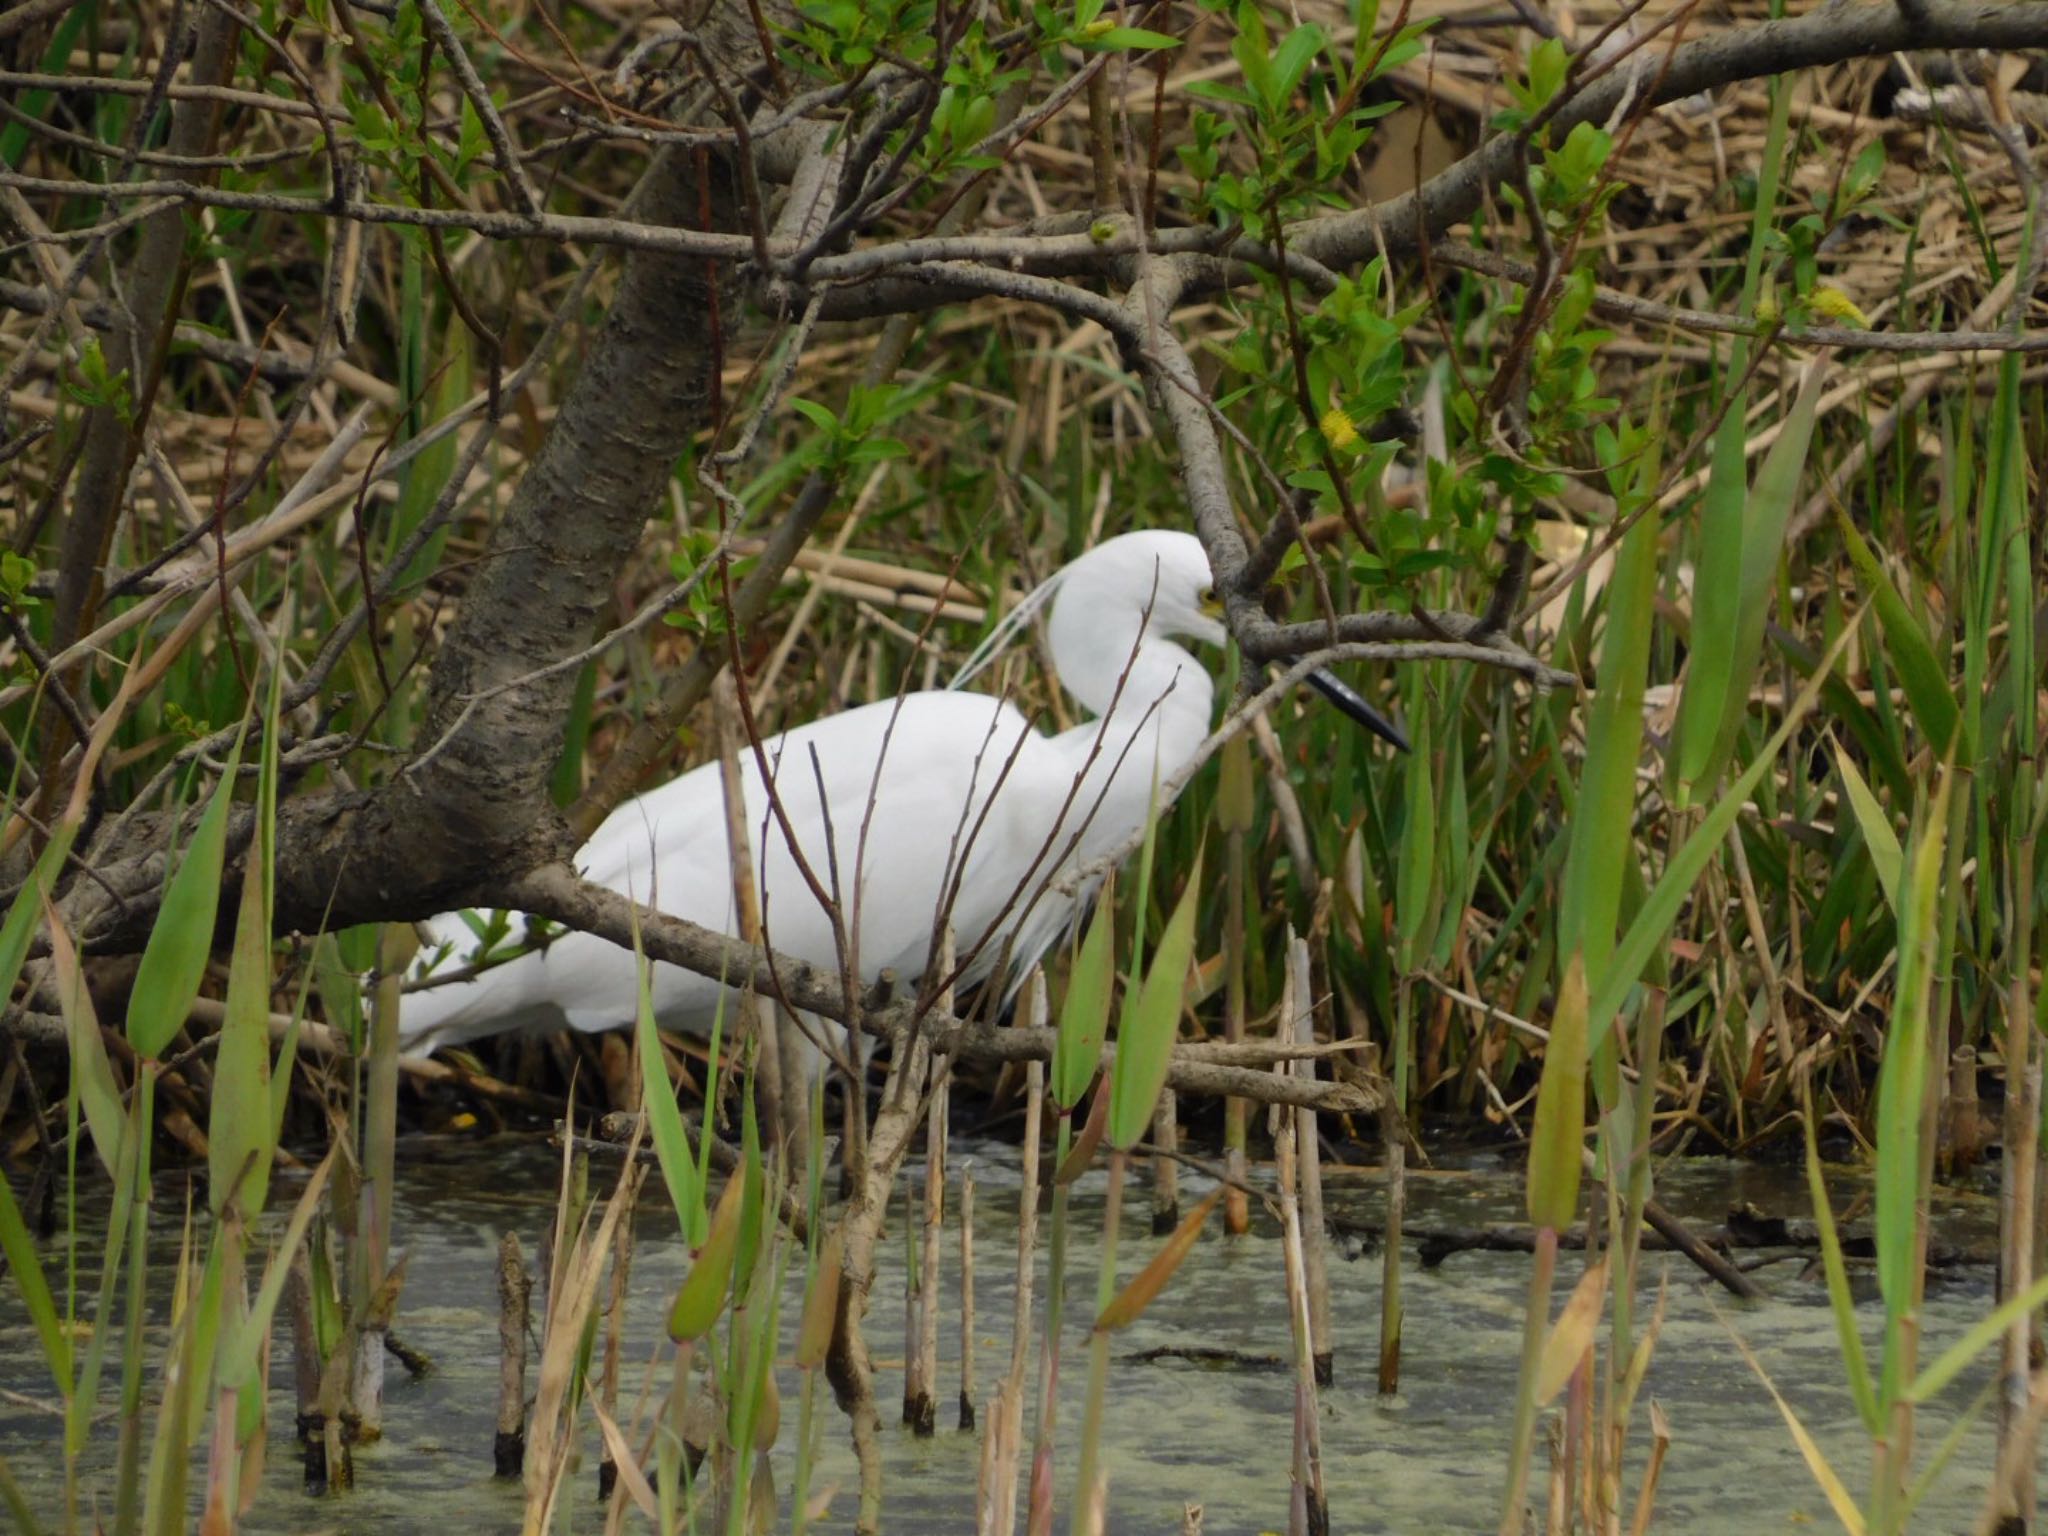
[1179, 1431]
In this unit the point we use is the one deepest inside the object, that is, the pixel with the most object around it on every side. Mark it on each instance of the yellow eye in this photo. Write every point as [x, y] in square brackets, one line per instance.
[1209, 601]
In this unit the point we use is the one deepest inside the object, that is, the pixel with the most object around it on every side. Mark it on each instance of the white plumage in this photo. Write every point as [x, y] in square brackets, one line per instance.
[959, 781]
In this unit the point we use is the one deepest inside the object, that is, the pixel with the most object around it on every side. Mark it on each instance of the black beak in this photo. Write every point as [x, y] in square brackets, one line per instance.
[1346, 698]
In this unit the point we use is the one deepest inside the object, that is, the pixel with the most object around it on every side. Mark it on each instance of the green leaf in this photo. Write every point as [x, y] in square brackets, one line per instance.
[1771, 501]
[658, 1102]
[239, 1146]
[241, 1353]
[91, 1072]
[1839, 1297]
[1415, 859]
[1912, 654]
[1144, 1046]
[1547, 65]
[174, 960]
[1234, 804]
[2005, 513]
[1602, 840]
[19, 1249]
[1875, 826]
[819, 416]
[1130, 37]
[1981, 1335]
[1674, 887]
[703, 1292]
[1557, 1141]
[1742, 533]
[26, 914]
[241, 1143]
[1291, 61]
[1084, 1012]
[1902, 1074]
[1253, 52]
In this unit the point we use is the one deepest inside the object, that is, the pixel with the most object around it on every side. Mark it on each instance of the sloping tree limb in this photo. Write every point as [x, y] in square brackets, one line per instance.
[557, 893]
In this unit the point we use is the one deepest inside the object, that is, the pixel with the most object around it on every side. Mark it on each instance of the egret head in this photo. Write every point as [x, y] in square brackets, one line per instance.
[1161, 579]
[1157, 577]
[1152, 584]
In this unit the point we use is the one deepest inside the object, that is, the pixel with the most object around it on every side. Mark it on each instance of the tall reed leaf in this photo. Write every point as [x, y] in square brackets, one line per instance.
[1555, 1143]
[1080, 1154]
[1878, 836]
[1084, 1012]
[1981, 1335]
[665, 1127]
[91, 1073]
[1840, 1299]
[821, 1304]
[18, 1247]
[242, 1353]
[1144, 1045]
[1590, 904]
[1902, 1076]
[2006, 498]
[703, 1292]
[241, 1144]
[174, 959]
[1722, 663]
[1716, 598]
[1912, 654]
[1831, 1484]
[1415, 859]
[1723, 538]
[28, 907]
[1674, 888]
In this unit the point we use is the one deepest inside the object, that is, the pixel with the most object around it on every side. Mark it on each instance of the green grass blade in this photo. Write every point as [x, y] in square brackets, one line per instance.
[1728, 658]
[1854, 1364]
[1723, 550]
[2006, 497]
[241, 1355]
[240, 1142]
[92, 1074]
[1144, 1045]
[1668, 896]
[1902, 1075]
[1084, 1011]
[1716, 602]
[1982, 1334]
[1415, 859]
[18, 1247]
[703, 1292]
[1878, 836]
[1558, 1137]
[1912, 654]
[665, 1127]
[175, 957]
[1590, 903]
[27, 911]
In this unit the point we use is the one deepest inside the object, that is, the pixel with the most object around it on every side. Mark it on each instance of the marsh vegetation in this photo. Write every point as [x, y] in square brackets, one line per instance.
[414, 412]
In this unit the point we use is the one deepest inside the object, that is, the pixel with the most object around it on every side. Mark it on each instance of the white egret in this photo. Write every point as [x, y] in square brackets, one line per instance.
[938, 795]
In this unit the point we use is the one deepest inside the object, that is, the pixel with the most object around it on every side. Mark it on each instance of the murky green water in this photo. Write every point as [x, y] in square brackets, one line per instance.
[1429, 1459]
